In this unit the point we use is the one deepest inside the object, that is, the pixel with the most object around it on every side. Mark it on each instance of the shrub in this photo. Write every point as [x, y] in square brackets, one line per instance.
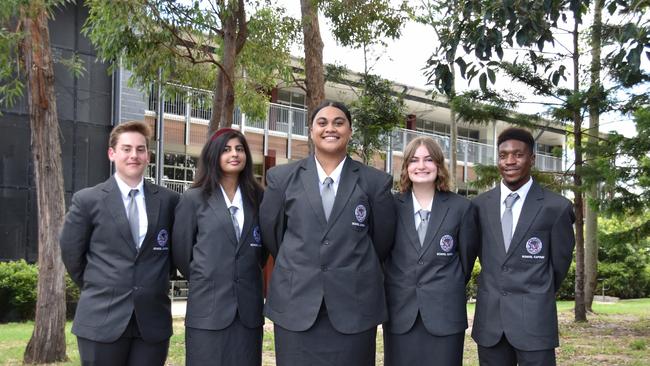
[18, 288]
[472, 285]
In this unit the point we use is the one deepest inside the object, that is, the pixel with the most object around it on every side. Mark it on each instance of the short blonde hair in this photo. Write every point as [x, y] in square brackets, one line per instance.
[131, 126]
[442, 182]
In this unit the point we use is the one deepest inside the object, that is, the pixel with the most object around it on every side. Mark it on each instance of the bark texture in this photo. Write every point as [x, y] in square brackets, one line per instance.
[591, 215]
[313, 45]
[47, 343]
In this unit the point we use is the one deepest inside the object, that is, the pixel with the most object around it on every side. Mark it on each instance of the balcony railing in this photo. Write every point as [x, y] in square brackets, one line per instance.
[466, 151]
[179, 100]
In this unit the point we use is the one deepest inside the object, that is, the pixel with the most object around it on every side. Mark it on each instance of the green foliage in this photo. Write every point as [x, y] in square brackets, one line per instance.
[472, 285]
[360, 23]
[375, 114]
[184, 39]
[18, 289]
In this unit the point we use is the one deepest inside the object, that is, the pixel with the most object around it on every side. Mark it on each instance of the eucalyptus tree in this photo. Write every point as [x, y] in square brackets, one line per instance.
[27, 63]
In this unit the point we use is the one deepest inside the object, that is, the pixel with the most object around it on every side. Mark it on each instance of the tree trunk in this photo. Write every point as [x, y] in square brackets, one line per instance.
[580, 311]
[235, 34]
[47, 343]
[313, 44]
[591, 216]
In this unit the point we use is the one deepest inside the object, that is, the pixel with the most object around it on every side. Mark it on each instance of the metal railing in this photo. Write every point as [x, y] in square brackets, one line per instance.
[179, 186]
[466, 151]
[548, 163]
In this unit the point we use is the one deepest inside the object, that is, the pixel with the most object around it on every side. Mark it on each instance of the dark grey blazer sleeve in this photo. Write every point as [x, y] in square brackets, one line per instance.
[383, 218]
[184, 233]
[75, 239]
[468, 241]
[563, 238]
[271, 216]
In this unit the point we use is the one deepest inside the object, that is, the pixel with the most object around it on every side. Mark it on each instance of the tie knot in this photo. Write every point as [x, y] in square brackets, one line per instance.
[510, 199]
[233, 210]
[424, 215]
[133, 193]
[328, 181]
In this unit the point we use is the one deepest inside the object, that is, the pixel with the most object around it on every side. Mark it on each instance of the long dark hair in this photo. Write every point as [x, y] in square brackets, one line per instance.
[209, 173]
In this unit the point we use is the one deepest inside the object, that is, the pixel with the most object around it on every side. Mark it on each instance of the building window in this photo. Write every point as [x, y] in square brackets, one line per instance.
[292, 99]
[179, 167]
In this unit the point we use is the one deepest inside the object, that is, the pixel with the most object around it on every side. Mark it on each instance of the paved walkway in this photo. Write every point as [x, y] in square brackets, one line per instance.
[178, 308]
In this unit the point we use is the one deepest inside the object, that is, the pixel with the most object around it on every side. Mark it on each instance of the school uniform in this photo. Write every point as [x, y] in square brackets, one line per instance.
[516, 316]
[222, 262]
[124, 312]
[425, 281]
[326, 295]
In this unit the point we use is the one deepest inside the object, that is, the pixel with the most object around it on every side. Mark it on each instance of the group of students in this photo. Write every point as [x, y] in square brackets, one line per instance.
[349, 255]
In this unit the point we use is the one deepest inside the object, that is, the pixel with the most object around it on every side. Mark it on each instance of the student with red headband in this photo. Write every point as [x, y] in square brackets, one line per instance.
[218, 249]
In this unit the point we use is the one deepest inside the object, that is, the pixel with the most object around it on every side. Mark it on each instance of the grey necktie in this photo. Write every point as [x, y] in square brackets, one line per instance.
[328, 197]
[422, 228]
[134, 218]
[506, 220]
[235, 223]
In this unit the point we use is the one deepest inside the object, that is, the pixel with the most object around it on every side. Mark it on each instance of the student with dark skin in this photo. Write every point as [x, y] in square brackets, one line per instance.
[525, 250]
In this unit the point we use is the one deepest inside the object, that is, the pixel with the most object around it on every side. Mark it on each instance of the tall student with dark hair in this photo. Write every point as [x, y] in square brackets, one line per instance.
[218, 249]
[425, 273]
[525, 251]
[115, 245]
[328, 221]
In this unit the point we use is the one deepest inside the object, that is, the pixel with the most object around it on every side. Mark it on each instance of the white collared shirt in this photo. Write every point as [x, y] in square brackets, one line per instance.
[519, 203]
[417, 208]
[237, 202]
[139, 201]
[336, 175]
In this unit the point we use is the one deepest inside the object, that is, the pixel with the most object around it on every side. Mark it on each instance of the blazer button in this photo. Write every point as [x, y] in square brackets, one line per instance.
[236, 280]
[324, 268]
[504, 293]
[326, 242]
[135, 288]
[505, 269]
[420, 262]
[419, 284]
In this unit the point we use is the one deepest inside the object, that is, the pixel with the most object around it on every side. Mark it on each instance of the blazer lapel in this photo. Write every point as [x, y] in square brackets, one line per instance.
[310, 183]
[222, 214]
[347, 183]
[115, 205]
[407, 216]
[494, 218]
[152, 204]
[532, 206]
[249, 215]
[439, 209]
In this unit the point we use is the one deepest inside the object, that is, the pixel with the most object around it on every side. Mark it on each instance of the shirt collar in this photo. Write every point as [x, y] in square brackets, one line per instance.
[522, 191]
[125, 189]
[335, 175]
[416, 205]
[236, 200]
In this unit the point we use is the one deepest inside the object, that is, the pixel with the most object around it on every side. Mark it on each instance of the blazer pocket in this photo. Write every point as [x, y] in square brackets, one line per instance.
[94, 306]
[280, 289]
[540, 314]
[201, 299]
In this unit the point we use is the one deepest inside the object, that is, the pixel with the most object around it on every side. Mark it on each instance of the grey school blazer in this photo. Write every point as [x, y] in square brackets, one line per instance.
[430, 279]
[225, 275]
[116, 279]
[516, 290]
[336, 261]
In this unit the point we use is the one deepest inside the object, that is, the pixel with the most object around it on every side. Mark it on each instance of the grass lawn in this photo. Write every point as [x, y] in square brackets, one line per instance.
[618, 334]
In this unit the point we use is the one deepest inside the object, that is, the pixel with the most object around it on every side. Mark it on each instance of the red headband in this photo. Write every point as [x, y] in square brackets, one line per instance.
[221, 132]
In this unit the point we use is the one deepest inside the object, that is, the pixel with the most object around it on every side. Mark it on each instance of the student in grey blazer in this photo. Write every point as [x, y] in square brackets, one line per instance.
[115, 244]
[425, 278]
[526, 248]
[218, 249]
[328, 221]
